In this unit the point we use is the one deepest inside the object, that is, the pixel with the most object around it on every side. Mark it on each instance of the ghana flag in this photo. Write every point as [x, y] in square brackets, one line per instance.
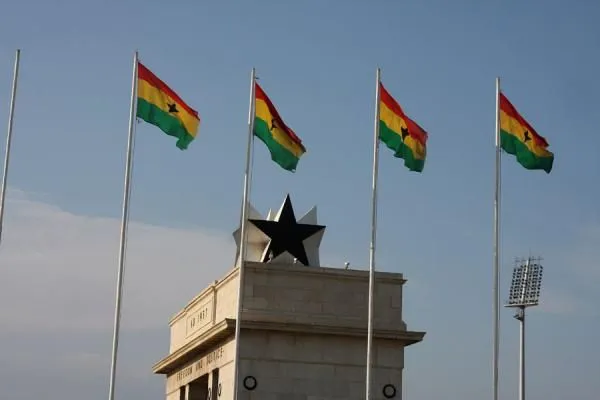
[519, 138]
[400, 133]
[158, 105]
[285, 147]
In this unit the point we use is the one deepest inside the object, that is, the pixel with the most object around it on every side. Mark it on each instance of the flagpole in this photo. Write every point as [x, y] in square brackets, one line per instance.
[243, 231]
[496, 270]
[9, 138]
[373, 235]
[124, 223]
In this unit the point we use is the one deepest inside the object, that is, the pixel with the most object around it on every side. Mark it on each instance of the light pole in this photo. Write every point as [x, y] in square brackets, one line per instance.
[524, 292]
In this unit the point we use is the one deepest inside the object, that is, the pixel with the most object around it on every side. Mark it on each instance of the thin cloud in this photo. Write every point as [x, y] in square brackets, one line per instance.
[59, 269]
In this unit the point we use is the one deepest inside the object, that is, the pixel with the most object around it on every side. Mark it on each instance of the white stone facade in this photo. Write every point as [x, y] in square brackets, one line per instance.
[303, 336]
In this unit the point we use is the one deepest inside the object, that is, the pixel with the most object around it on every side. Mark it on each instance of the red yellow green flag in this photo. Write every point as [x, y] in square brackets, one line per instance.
[519, 138]
[400, 133]
[158, 105]
[285, 147]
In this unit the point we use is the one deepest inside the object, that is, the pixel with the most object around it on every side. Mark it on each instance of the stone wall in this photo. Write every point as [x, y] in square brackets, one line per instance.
[328, 296]
[311, 367]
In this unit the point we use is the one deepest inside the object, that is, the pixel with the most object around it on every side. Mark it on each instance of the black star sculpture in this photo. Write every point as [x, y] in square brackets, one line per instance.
[286, 233]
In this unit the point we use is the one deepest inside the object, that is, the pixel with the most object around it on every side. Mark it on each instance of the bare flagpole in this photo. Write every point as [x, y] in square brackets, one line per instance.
[9, 138]
[373, 236]
[124, 222]
[243, 232]
[496, 270]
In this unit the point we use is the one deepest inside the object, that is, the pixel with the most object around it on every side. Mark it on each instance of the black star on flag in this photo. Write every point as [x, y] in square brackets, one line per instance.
[173, 108]
[286, 234]
[404, 132]
[527, 138]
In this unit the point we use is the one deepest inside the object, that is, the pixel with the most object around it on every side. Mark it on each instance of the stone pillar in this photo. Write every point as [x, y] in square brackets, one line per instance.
[214, 385]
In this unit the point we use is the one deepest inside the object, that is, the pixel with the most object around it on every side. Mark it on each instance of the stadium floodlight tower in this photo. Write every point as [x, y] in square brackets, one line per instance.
[524, 292]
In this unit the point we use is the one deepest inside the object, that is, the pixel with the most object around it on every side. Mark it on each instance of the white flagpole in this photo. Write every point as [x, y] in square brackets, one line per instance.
[496, 270]
[373, 235]
[124, 222]
[243, 231]
[9, 138]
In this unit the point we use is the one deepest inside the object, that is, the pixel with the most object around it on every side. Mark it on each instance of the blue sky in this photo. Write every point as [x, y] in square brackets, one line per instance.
[317, 60]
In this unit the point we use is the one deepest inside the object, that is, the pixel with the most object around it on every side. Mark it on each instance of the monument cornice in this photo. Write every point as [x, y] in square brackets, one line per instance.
[226, 328]
[406, 337]
[338, 273]
[204, 342]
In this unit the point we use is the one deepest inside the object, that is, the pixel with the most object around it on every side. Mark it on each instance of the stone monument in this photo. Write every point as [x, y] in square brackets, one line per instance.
[303, 326]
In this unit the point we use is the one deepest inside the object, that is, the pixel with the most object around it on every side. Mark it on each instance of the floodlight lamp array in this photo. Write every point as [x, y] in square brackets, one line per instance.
[526, 283]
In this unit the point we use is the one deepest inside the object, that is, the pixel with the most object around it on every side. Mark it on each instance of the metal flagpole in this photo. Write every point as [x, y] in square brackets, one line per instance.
[373, 235]
[124, 221]
[9, 138]
[496, 270]
[243, 232]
